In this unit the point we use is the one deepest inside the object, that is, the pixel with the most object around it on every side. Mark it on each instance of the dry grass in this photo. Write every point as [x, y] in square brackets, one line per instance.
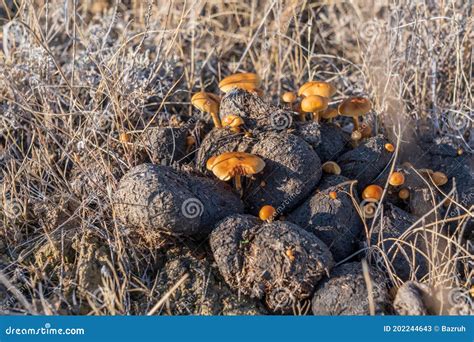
[72, 81]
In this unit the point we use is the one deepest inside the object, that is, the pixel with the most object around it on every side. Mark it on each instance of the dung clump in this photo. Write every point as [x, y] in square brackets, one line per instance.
[278, 262]
[365, 162]
[330, 214]
[346, 292]
[160, 198]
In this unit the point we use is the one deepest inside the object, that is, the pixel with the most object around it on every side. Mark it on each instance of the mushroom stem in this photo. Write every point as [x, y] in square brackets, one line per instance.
[302, 116]
[238, 183]
[216, 120]
[316, 116]
[355, 119]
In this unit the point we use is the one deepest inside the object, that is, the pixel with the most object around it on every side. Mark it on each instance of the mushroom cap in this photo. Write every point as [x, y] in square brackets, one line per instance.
[266, 212]
[396, 179]
[232, 121]
[389, 147]
[355, 106]
[320, 88]
[314, 103]
[206, 102]
[329, 113]
[231, 164]
[331, 167]
[247, 81]
[439, 178]
[289, 97]
[372, 192]
[404, 193]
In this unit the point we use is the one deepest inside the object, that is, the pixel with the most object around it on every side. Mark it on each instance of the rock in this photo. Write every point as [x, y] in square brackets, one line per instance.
[346, 293]
[292, 168]
[365, 162]
[160, 198]
[335, 221]
[166, 144]
[278, 262]
[406, 260]
[410, 297]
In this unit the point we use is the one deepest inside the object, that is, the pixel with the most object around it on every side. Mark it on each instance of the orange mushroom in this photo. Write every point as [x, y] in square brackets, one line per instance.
[234, 165]
[372, 192]
[396, 179]
[329, 114]
[404, 194]
[289, 97]
[233, 122]
[389, 147]
[319, 88]
[439, 178]
[313, 104]
[267, 213]
[355, 107]
[208, 103]
[247, 81]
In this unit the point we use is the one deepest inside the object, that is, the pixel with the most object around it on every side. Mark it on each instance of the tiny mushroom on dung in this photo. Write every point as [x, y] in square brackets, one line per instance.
[372, 193]
[233, 122]
[267, 213]
[389, 147]
[328, 114]
[319, 88]
[208, 103]
[332, 195]
[331, 167]
[439, 178]
[289, 97]
[396, 179]
[247, 81]
[124, 137]
[313, 104]
[355, 107]
[234, 165]
[404, 194]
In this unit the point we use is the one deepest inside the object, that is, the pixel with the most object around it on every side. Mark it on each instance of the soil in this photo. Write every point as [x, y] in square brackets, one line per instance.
[278, 262]
[160, 198]
[346, 293]
[335, 221]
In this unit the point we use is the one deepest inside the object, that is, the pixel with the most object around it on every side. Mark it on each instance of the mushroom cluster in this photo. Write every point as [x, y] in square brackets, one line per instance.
[274, 192]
